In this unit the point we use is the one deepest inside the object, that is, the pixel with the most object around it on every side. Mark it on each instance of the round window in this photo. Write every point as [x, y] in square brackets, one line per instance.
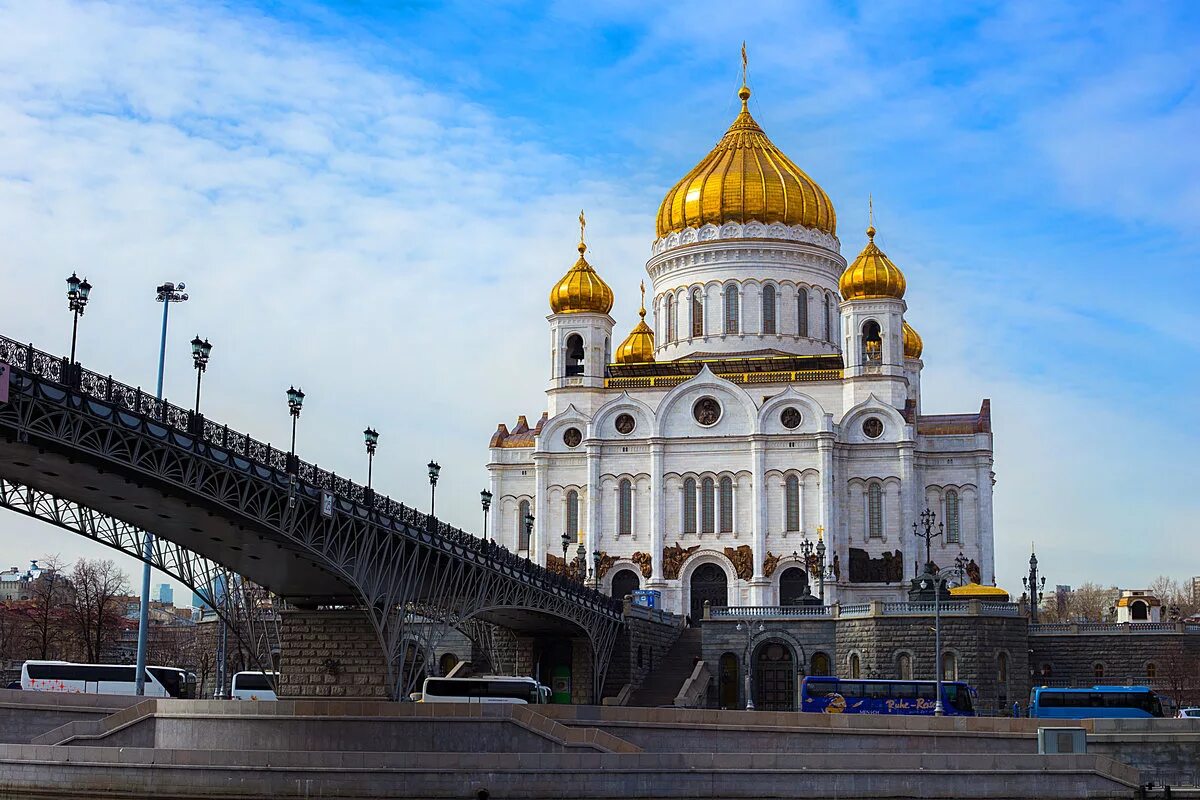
[706, 411]
[572, 437]
[625, 423]
[790, 417]
[873, 427]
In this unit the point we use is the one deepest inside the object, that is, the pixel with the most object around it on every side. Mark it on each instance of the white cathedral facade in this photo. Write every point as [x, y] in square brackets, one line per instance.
[775, 405]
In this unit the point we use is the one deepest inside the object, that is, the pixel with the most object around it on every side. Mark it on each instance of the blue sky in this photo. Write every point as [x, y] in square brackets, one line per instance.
[372, 200]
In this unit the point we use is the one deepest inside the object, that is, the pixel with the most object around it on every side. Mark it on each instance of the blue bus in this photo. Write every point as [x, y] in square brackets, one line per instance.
[1098, 701]
[841, 696]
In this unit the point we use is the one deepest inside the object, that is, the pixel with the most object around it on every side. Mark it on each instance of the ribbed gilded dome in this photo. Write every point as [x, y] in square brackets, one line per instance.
[872, 275]
[912, 341]
[581, 290]
[638, 347]
[745, 178]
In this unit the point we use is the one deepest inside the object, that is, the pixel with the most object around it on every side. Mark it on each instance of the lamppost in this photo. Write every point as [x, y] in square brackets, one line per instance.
[960, 568]
[748, 627]
[200, 352]
[166, 294]
[937, 637]
[485, 497]
[1034, 588]
[435, 469]
[581, 563]
[371, 440]
[927, 520]
[817, 567]
[566, 544]
[295, 400]
[77, 300]
[596, 570]
[529, 537]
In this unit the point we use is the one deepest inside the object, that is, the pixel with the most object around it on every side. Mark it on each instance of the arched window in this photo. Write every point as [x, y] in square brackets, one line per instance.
[768, 309]
[904, 667]
[820, 664]
[949, 667]
[875, 511]
[574, 354]
[1002, 669]
[952, 530]
[1139, 610]
[792, 502]
[447, 662]
[802, 312]
[625, 507]
[726, 505]
[872, 344]
[522, 530]
[731, 309]
[829, 334]
[689, 505]
[697, 314]
[671, 318]
[1098, 670]
[1151, 670]
[573, 514]
[855, 666]
[793, 586]
[707, 506]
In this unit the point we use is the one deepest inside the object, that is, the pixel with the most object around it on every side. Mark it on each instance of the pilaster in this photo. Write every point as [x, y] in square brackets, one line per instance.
[656, 510]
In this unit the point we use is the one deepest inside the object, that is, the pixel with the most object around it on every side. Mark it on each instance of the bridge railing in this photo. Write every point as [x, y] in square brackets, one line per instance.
[242, 451]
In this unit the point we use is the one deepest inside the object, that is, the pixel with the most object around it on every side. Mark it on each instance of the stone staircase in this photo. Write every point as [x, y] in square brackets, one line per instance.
[668, 677]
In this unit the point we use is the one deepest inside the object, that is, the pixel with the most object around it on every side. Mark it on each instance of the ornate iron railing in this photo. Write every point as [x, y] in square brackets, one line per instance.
[247, 454]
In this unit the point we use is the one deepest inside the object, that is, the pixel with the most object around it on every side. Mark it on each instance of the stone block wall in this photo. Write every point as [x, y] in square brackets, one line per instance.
[640, 647]
[331, 654]
[804, 639]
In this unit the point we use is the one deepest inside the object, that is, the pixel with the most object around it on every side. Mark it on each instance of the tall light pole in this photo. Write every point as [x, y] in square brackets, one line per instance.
[960, 568]
[200, 353]
[566, 543]
[77, 300]
[1033, 587]
[167, 294]
[371, 440]
[937, 637]
[529, 520]
[295, 401]
[485, 498]
[596, 570]
[926, 532]
[748, 627]
[434, 469]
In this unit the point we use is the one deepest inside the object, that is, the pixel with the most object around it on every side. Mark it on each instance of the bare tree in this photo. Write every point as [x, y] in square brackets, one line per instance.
[96, 610]
[14, 631]
[1177, 599]
[49, 601]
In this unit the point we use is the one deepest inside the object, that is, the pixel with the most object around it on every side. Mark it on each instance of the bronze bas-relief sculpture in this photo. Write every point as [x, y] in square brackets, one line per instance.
[644, 561]
[743, 561]
[888, 568]
[673, 558]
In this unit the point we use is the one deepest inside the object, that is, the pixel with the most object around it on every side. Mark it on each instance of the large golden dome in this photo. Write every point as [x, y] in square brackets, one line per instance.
[581, 290]
[745, 178]
[913, 346]
[638, 347]
[872, 275]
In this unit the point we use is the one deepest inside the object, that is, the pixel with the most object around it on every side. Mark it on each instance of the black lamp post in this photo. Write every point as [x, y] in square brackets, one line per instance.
[566, 543]
[200, 353]
[529, 535]
[596, 569]
[295, 398]
[1034, 588]
[77, 300]
[937, 637]
[960, 568]
[748, 626]
[434, 469]
[926, 533]
[485, 497]
[371, 440]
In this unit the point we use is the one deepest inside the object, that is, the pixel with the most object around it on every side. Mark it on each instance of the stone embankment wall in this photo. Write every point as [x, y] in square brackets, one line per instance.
[25, 715]
[641, 646]
[1166, 659]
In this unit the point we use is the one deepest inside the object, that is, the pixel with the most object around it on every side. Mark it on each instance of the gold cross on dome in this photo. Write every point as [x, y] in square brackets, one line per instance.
[582, 225]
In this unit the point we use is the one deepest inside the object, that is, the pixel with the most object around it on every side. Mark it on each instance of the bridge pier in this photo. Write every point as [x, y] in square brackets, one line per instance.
[331, 653]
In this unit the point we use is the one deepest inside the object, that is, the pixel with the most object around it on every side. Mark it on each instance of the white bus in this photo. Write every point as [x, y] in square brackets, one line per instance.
[484, 689]
[253, 686]
[63, 676]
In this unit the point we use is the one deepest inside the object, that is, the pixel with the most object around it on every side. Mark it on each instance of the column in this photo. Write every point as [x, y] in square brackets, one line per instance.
[592, 532]
[541, 523]
[656, 511]
[758, 485]
[987, 556]
[825, 507]
[908, 507]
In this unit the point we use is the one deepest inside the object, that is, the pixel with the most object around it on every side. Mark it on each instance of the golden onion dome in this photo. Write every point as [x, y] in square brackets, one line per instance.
[746, 177]
[638, 347]
[581, 290]
[872, 275]
[913, 346]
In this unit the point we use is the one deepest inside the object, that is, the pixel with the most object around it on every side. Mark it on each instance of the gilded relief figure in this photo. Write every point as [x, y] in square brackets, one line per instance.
[673, 558]
[743, 561]
[643, 560]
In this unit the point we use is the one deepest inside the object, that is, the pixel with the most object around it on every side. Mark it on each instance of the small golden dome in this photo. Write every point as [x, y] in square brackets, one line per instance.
[912, 342]
[745, 177]
[638, 347]
[872, 275]
[976, 590]
[581, 290]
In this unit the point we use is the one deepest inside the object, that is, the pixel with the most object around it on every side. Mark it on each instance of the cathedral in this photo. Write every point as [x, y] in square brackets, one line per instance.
[763, 443]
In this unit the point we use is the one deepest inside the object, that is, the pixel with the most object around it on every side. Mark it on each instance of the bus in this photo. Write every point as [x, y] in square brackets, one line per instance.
[1098, 701]
[64, 676]
[253, 686]
[485, 689]
[841, 696]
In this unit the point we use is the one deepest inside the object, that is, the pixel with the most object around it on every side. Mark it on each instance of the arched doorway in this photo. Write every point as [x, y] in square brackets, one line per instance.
[447, 662]
[708, 583]
[727, 681]
[624, 582]
[774, 677]
[793, 585]
[820, 664]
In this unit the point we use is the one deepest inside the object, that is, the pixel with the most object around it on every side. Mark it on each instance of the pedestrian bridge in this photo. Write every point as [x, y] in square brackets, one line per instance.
[110, 462]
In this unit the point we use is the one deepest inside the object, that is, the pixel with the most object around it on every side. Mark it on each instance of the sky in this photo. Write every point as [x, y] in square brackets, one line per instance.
[372, 200]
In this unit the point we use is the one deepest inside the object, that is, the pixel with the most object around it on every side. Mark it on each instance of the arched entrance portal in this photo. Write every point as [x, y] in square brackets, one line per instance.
[774, 677]
[624, 582]
[793, 584]
[708, 583]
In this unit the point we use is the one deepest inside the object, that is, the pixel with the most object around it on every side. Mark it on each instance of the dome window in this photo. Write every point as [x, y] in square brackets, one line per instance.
[872, 343]
[574, 355]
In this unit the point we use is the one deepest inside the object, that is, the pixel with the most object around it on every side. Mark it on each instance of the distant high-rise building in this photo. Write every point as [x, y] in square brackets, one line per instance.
[166, 594]
[218, 591]
[1196, 589]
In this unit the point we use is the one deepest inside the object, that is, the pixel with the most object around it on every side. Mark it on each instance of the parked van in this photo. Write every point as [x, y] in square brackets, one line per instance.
[254, 686]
